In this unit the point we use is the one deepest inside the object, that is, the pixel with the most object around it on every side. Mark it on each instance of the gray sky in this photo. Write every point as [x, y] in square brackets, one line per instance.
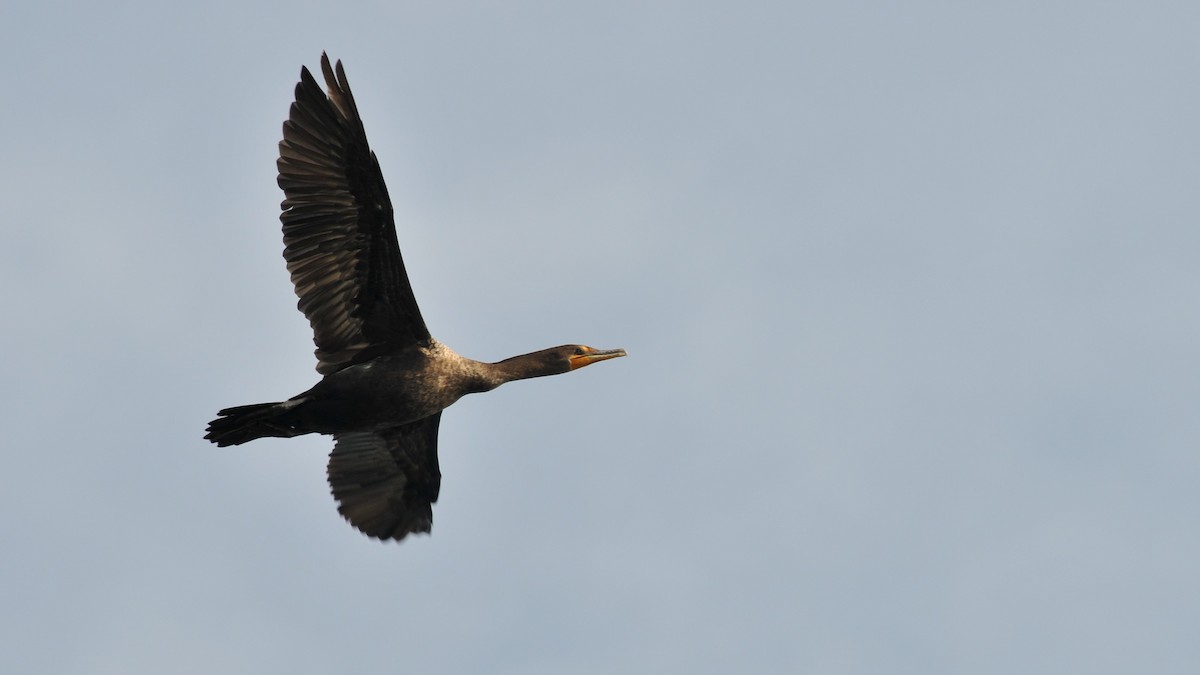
[909, 291]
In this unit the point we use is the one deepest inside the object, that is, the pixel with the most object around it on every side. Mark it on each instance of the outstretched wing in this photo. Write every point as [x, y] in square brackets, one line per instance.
[386, 482]
[338, 232]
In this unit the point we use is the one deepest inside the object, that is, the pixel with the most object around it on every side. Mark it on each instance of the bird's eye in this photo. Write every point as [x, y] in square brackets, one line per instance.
[579, 351]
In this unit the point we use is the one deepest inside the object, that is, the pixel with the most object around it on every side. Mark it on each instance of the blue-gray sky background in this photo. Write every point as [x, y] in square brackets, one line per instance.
[910, 293]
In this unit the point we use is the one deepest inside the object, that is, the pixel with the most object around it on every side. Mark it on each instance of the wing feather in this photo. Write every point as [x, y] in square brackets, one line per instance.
[386, 482]
[338, 230]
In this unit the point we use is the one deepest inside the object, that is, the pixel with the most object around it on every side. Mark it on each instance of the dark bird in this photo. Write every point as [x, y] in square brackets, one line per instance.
[385, 379]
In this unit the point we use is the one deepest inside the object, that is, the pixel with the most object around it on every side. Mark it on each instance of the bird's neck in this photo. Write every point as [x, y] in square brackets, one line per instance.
[520, 367]
[481, 376]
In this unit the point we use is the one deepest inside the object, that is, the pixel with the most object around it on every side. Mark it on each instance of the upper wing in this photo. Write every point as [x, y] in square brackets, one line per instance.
[386, 482]
[339, 236]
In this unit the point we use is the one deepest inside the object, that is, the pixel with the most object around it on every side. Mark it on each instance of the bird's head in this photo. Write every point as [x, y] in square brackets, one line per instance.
[578, 356]
[553, 361]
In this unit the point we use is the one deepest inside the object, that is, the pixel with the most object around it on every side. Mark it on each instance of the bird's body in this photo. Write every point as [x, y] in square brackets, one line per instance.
[385, 378]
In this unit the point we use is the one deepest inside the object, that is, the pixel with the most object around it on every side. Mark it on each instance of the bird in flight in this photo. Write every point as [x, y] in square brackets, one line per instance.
[385, 379]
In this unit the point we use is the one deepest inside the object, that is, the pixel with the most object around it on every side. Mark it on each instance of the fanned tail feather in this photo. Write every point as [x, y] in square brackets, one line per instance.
[243, 423]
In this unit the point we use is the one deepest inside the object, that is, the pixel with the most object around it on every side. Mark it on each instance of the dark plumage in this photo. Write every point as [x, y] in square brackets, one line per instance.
[385, 379]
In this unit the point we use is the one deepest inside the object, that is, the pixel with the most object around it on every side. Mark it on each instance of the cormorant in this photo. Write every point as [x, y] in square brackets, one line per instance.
[385, 379]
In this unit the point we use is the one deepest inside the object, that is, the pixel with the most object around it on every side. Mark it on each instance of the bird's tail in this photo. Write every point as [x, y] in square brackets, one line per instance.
[243, 423]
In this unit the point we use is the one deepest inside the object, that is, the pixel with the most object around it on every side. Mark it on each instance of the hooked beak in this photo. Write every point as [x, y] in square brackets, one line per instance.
[590, 356]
